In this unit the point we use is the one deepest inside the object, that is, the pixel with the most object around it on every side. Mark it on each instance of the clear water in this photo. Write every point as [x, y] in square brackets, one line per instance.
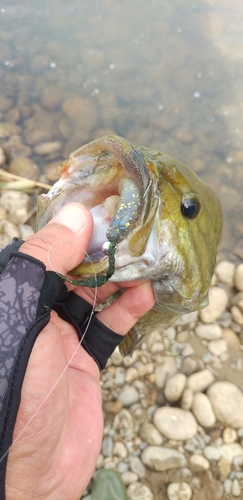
[163, 74]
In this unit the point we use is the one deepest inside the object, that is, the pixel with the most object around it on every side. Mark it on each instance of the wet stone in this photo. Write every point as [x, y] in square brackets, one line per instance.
[199, 381]
[139, 491]
[175, 423]
[198, 463]
[227, 403]
[164, 371]
[24, 167]
[225, 272]
[174, 387]
[202, 410]
[179, 491]
[159, 458]
[218, 299]
[128, 395]
[208, 331]
[150, 434]
[47, 148]
[238, 278]
[17, 204]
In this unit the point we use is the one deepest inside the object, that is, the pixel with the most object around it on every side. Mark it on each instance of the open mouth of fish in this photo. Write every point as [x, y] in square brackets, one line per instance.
[110, 177]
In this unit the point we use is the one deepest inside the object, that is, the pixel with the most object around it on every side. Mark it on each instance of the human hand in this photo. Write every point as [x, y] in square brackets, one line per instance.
[58, 431]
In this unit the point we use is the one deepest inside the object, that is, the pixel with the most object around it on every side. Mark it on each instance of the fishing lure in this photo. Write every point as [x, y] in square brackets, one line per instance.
[96, 281]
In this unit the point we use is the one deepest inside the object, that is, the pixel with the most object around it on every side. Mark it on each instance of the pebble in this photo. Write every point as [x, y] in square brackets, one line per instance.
[174, 387]
[139, 491]
[218, 299]
[224, 467]
[50, 171]
[131, 375]
[137, 467]
[120, 450]
[211, 453]
[229, 435]
[123, 420]
[199, 381]
[129, 477]
[25, 167]
[175, 423]
[236, 490]
[237, 315]
[225, 272]
[17, 205]
[160, 458]
[150, 434]
[217, 347]
[227, 403]
[8, 231]
[238, 278]
[186, 400]
[208, 331]
[164, 371]
[231, 451]
[47, 148]
[2, 157]
[198, 463]
[202, 410]
[128, 395]
[179, 491]
[80, 112]
[107, 446]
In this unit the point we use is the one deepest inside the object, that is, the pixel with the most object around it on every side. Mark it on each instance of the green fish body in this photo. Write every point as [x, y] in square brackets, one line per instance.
[163, 222]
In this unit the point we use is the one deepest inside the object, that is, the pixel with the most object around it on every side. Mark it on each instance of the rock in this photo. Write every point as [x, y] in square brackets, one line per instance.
[149, 434]
[191, 365]
[24, 167]
[224, 467]
[107, 446]
[227, 403]
[174, 387]
[231, 339]
[128, 395]
[186, 400]
[238, 278]
[225, 272]
[108, 484]
[131, 375]
[208, 331]
[212, 453]
[217, 347]
[202, 410]
[218, 299]
[14, 147]
[231, 451]
[175, 423]
[123, 420]
[2, 157]
[139, 491]
[80, 112]
[236, 490]
[198, 463]
[120, 375]
[199, 381]
[8, 129]
[237, 315]
[159, 458]
[137, 466]
[51, 98]
[164, 371]
[129, 477]
[50, 171]
[17, 204]
[9, 229]
[120, 450]
[229, 435]
[179, 491]
[47, 148]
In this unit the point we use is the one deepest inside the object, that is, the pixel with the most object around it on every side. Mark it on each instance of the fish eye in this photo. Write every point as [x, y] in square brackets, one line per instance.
[190, 205]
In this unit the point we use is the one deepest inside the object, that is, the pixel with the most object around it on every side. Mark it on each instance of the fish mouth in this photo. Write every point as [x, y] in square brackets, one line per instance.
[110, 177]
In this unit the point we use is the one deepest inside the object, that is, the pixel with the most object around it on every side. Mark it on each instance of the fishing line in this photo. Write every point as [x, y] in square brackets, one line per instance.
[70, 360]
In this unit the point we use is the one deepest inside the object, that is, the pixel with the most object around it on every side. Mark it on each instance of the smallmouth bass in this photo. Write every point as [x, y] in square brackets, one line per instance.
[162, 222]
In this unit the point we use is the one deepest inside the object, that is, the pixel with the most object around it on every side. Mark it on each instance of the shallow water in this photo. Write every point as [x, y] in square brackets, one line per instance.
[162, 74]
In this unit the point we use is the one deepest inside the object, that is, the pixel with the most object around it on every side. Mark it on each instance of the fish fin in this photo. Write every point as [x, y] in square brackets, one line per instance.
[127, 345]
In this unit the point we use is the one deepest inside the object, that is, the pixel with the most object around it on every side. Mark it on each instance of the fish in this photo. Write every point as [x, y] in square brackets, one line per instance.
[154, 219]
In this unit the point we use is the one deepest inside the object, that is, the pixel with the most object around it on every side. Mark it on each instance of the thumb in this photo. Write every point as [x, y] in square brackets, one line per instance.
[63, 242]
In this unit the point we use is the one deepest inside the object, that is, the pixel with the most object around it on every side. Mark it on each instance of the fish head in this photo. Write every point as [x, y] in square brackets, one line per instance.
[164, 220]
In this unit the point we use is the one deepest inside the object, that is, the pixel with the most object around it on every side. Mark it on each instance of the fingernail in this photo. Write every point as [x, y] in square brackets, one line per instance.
[72, 217]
